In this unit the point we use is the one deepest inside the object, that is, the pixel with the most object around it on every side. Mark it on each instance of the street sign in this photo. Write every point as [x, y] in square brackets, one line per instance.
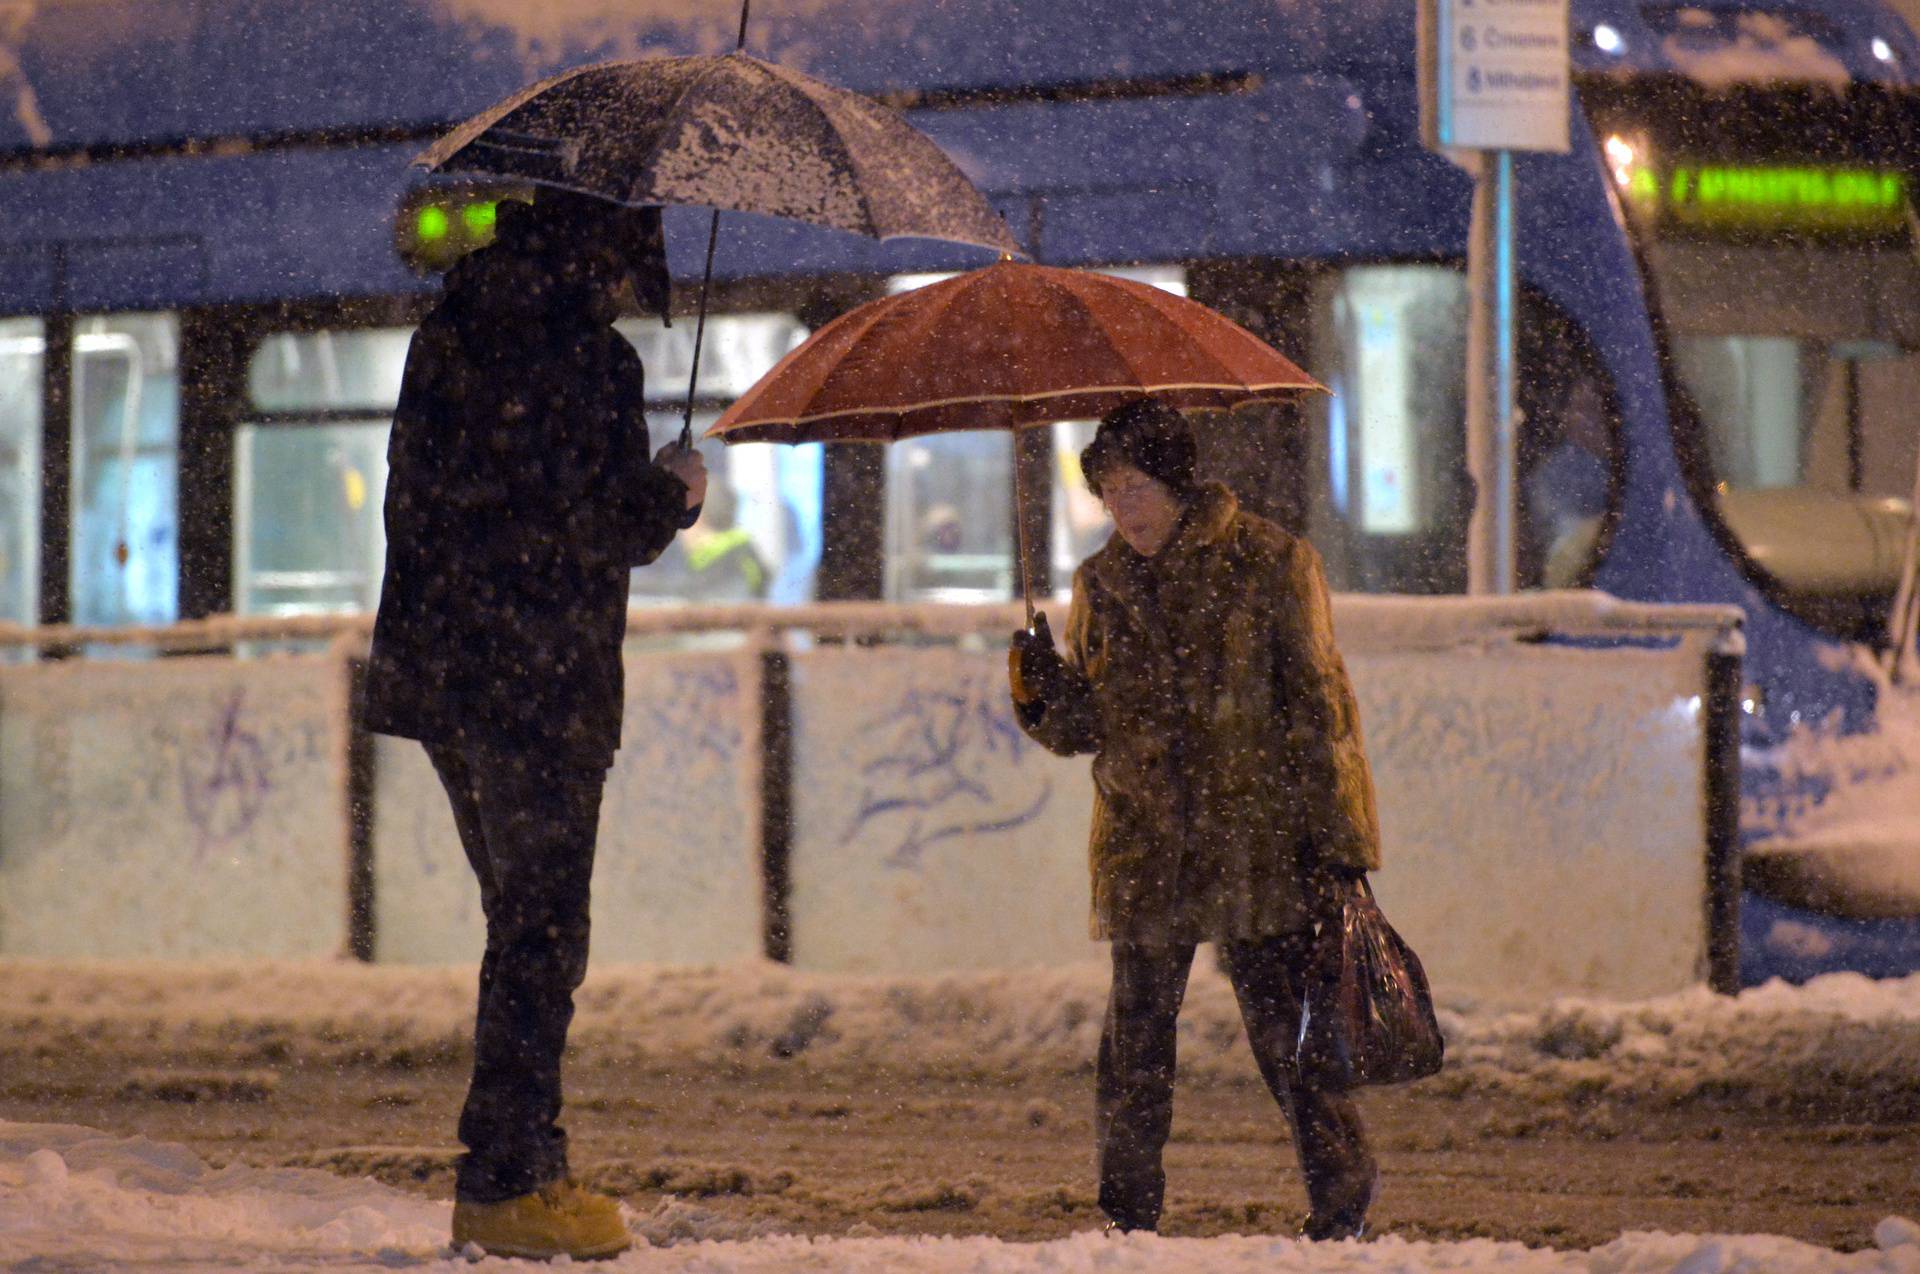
[1494, 74]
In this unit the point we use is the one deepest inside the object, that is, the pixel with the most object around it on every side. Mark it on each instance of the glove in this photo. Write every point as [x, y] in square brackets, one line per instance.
[1035, 670]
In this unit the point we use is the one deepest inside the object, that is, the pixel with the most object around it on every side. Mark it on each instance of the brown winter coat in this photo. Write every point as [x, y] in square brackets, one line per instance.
[1227, 751]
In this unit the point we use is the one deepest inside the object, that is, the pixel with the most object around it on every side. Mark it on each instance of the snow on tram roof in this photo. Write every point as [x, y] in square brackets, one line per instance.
[114, 72]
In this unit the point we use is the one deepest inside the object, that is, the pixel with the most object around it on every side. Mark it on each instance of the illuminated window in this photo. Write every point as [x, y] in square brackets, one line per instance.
[759, 535]
[126, 441]
[310, 471]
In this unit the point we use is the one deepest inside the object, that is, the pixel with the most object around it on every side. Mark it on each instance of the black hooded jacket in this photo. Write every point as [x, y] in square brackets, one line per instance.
[520, 492]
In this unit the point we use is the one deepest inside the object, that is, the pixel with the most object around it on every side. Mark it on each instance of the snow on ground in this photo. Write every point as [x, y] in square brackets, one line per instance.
[1844, 811]
[1841, 1034]
[73, 1199]
[77, 1199]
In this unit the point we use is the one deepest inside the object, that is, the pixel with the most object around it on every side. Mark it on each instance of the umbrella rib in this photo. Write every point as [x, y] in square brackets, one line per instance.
[671, 117]
[865, 325]
[1218, 328]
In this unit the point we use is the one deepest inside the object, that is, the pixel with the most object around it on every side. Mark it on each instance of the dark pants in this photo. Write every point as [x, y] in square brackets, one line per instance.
[1134, 1097]
[528, 828]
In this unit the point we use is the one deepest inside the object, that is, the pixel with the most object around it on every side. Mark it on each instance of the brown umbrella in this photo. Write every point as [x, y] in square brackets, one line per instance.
[1007, 347]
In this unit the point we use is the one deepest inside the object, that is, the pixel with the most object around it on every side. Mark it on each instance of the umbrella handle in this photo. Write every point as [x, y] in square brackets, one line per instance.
[1020, 528]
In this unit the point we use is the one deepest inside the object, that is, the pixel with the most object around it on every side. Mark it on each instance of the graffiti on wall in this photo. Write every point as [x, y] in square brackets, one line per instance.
[945, 764]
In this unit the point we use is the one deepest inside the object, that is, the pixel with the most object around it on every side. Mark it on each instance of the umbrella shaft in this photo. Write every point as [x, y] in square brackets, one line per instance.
[700, 331]
[1020, 527]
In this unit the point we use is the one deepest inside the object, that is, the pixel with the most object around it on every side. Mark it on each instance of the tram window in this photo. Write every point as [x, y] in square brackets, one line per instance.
[310, 472]
[1389, 497]
[22, 349]
[1080, 522]
[1802, 365]
[308, 536]
[759, 535]
[126, 443]
[949, 528]
[326, 371]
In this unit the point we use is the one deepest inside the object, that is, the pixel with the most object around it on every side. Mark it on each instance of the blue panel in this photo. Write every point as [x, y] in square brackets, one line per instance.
[28, 281]
[124, 70]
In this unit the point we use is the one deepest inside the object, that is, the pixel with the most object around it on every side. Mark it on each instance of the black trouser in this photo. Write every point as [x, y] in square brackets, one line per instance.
[1134, 1096]
[528, 828]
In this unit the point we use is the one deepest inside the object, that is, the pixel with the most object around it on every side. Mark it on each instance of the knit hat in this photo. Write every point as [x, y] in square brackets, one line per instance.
[1150, 436]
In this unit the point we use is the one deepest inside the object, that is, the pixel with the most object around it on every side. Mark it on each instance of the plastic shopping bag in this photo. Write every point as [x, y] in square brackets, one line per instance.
[1369, 1014]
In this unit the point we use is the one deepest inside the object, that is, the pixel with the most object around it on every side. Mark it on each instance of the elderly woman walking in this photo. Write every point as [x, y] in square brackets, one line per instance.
[1233, 802]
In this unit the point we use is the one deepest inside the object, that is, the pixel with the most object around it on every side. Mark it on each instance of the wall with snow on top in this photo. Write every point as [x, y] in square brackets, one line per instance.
[179, 807]
[677, 867]
[1538, 802]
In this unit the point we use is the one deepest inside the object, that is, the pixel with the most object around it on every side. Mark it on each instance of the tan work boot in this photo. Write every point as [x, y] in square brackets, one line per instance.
[557, 1220]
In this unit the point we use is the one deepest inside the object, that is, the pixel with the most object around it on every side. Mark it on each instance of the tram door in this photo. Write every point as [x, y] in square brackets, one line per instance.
[124, 500]
[22, 352]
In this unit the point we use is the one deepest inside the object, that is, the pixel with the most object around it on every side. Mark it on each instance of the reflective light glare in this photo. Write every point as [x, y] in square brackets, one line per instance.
[1608, 40]
[1620, 157]
[1882, 50]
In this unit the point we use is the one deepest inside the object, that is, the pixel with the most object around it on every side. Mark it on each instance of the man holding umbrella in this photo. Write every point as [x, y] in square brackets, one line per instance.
[1233, 800]
[520, 494]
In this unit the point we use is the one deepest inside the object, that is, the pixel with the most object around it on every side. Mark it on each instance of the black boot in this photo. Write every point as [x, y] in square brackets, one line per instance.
[1344, 1219]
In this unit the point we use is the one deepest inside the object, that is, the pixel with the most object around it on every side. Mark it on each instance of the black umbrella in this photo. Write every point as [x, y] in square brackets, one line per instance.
[732, 133]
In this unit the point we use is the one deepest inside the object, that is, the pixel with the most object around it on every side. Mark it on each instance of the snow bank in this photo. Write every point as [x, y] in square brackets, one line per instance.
[1840, 1040]
[74, 1198]
[1843, 810]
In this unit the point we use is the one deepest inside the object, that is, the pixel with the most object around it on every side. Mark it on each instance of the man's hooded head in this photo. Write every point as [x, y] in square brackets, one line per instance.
[594, 242]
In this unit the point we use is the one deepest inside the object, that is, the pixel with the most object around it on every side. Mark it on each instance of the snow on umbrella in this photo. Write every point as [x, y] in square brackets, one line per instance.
[1006, 347]
[732, 133]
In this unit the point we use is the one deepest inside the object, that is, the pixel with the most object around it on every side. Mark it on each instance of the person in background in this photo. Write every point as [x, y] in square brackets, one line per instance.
[1233, 800]
[722, 562]
[520, 494]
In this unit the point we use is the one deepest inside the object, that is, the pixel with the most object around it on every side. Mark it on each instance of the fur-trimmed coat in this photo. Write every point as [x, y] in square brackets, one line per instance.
[1228, 761]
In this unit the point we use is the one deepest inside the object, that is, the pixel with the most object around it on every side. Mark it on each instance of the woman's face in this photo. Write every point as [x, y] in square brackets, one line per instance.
[1144, 509]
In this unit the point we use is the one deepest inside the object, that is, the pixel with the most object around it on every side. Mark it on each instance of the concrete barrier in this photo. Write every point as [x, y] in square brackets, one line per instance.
[1554, 776]
[179, 807]
[677, 870]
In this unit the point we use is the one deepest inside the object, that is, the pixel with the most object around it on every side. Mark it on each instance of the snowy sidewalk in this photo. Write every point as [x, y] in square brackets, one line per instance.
[75, 1199]
[1841, 1037]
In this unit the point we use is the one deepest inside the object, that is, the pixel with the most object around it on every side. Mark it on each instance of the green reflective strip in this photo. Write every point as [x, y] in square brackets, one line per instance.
[432, 224]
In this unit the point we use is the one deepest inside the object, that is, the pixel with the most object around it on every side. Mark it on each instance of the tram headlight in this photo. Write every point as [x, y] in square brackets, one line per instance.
[1623, 158]
[1607, 39]
[1881, 49]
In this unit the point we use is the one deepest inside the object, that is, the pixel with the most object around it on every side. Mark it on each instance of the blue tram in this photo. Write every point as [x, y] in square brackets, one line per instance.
[212, 252]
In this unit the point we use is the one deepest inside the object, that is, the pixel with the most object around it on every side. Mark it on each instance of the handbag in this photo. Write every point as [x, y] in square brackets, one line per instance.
[1368, 1011]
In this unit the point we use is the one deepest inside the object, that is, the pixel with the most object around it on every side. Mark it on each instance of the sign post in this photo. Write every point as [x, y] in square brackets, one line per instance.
[1495, 77]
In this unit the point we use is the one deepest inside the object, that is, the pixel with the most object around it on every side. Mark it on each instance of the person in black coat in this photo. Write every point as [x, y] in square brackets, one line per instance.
[520, 494]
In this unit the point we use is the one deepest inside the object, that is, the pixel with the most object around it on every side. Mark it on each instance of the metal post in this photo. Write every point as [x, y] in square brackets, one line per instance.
[1722, 723]
[1491, 320]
